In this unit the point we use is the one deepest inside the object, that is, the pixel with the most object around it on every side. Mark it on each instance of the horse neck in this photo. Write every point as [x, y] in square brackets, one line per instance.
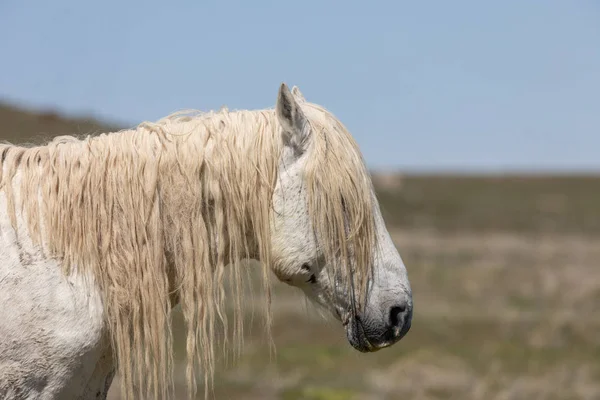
[192, 192]
[215, 180]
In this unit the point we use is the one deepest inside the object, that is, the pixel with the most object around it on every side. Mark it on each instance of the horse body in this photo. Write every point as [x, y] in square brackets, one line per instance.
[101, 238]
[52, 332]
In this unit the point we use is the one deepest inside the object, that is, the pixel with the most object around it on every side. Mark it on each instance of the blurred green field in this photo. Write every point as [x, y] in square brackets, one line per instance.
[505, 278]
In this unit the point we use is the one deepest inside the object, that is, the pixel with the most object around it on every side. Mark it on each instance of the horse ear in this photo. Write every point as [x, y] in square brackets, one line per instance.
[295, 126]
[298, 94]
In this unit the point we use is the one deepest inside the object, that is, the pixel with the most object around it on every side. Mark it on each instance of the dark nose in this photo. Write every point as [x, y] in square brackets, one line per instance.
[400, 319]
[397, 316]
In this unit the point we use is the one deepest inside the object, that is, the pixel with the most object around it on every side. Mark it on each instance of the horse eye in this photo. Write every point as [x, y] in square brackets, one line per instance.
[313, 277]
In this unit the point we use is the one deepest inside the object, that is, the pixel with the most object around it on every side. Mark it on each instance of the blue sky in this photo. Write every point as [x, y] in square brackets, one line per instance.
[446, 86]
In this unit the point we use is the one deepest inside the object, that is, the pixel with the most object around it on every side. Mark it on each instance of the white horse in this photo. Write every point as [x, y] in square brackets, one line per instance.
[101, 237]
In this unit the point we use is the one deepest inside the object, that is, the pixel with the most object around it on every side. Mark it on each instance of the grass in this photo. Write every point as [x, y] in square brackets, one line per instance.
[497, 316]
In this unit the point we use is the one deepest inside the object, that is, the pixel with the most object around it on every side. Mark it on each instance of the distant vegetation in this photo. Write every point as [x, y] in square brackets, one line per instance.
[21, 126]
[525, 204]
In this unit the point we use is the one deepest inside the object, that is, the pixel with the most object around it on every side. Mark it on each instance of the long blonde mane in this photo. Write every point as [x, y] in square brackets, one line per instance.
[156, 213]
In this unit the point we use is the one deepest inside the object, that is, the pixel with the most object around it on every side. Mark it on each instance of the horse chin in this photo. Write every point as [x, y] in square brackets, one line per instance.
[357, 337]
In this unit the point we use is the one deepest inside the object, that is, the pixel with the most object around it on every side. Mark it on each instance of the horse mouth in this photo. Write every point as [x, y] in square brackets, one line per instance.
[357, 337]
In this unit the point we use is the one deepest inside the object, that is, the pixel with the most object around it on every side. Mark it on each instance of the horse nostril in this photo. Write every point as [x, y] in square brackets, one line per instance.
[396, 315]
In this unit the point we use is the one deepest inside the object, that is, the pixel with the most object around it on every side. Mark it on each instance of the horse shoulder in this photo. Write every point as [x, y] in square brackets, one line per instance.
[52, 335]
